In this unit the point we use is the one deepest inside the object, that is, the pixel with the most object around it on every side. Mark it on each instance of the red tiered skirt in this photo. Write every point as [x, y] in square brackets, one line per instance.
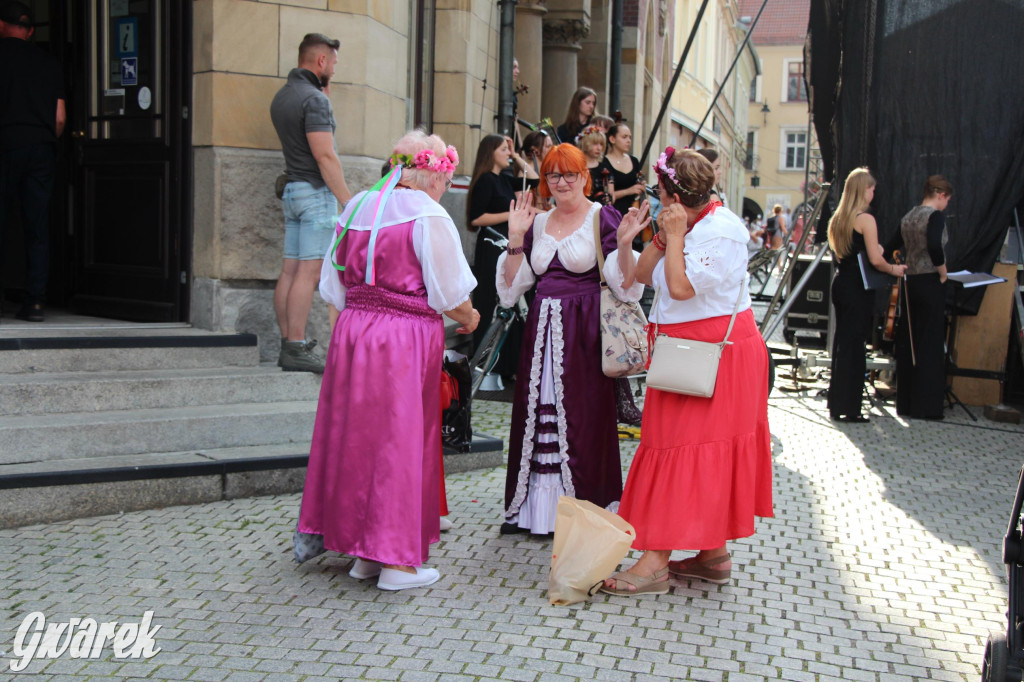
[703, 469]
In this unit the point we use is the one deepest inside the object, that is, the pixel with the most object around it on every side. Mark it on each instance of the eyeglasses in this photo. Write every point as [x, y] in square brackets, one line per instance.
[569, 178]
[447, 185]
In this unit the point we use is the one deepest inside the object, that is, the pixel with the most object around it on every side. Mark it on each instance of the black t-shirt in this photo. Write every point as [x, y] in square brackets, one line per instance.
[491, 194]
[31, 82]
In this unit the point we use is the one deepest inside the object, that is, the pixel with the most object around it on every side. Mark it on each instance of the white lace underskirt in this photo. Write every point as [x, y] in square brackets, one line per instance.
[539, 509]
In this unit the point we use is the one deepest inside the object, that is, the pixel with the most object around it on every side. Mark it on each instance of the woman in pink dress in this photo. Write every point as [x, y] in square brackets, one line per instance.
[373, 479]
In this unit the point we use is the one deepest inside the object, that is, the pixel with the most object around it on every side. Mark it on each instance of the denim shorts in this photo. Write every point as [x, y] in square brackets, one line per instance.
[309, 217]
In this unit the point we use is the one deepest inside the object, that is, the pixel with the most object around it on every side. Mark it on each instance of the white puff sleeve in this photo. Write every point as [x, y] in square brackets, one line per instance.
[613, 275]
[446, 272]
[711, 263]
[331, 288]
[524, 279]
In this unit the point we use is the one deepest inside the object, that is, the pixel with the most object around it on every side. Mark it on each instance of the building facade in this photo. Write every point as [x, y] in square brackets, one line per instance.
[780, 140]
[722, 122]
[165, 208]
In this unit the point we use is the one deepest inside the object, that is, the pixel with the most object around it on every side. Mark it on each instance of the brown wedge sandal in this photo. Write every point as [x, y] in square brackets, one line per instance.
[702, 570]
[656, 583]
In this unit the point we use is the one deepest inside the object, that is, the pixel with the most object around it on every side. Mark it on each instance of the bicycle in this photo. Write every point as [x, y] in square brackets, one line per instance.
[485, 357]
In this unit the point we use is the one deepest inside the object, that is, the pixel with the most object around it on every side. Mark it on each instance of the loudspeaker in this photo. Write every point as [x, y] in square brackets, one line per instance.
[809, 313]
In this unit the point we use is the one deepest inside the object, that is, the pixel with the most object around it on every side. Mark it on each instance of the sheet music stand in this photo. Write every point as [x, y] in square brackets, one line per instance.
[965, 280]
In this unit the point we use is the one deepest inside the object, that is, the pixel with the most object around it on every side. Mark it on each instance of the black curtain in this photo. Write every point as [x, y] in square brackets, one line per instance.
[912, 88]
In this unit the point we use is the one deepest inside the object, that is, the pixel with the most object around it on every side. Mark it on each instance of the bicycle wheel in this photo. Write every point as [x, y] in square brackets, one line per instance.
[486, 355]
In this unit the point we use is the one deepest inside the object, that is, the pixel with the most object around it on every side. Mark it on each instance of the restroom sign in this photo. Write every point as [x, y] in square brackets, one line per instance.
[127, 37]
[129, 71]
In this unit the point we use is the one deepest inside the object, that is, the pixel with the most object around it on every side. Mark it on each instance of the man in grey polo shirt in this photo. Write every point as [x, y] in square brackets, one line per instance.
[304, 120]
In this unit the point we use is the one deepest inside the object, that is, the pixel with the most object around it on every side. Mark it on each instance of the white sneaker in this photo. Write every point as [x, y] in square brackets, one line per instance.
[393, 579]
[445, 524]
[363, 569]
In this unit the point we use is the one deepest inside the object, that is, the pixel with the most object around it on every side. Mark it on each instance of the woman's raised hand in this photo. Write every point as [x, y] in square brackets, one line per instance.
[635, 220]
[520, 217]
[672, 220]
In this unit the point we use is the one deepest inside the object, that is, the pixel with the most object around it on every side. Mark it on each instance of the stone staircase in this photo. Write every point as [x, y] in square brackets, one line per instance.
[98, 420]
[113, 418]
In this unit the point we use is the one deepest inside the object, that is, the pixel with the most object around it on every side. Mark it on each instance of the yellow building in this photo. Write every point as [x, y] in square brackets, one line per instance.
[780, 139]
[716, 42]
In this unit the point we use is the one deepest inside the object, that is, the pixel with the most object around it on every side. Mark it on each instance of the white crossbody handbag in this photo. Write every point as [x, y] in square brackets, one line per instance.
[686, 366]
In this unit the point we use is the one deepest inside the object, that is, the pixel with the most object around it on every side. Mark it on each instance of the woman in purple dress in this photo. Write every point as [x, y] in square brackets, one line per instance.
[373, 479]
[563, 438]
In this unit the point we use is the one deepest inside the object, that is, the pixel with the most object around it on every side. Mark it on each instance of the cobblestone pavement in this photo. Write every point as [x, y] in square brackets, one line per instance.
[882, 563]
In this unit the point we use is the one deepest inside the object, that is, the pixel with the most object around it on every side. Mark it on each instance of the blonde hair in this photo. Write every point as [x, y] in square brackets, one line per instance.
[412, 143]
[777, 209]
[597, 135]
[840, 227]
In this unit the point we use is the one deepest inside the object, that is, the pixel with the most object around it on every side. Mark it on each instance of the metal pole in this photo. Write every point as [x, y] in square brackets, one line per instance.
[733, 66]
[672, 84]
[615, 87]
[506, 119]
[792, 297]
[807, 163]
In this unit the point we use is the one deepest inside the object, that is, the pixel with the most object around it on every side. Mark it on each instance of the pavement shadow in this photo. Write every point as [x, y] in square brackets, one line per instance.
[956, 478]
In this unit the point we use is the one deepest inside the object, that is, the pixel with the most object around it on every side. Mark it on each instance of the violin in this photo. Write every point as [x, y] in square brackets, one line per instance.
[894, 304]
[521, 89]
[607, 187]
[640, 197]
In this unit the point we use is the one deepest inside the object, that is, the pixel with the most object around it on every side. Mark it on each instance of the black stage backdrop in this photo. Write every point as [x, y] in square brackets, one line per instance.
[911, 88]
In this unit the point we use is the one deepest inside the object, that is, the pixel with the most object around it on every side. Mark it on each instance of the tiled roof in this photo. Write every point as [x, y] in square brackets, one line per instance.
[784, 22]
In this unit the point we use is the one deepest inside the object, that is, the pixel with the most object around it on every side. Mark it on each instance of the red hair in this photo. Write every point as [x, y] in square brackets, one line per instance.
[564, 158]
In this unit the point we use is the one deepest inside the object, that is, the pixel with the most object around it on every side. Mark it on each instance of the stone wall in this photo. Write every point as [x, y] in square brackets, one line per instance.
[243, 51]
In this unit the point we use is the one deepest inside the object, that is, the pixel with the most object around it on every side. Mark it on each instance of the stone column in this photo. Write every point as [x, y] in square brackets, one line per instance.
[561, 56]
[529, 52]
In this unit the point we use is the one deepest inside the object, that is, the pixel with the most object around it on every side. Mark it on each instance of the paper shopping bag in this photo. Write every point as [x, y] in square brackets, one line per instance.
[590, 542]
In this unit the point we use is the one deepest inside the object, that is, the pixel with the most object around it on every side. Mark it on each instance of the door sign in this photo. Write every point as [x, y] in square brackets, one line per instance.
[127, 37]
[129, 71]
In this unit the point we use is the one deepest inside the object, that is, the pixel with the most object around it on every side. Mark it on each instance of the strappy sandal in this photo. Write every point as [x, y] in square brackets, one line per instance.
[652, 584]
[702, 570]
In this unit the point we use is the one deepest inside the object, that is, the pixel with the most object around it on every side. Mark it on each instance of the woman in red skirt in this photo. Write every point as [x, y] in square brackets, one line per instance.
[703, 469]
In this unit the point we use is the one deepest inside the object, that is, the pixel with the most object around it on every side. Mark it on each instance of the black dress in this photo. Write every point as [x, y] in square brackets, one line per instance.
[623, 181]
[854, 307]
[920, 376]
[492, 193]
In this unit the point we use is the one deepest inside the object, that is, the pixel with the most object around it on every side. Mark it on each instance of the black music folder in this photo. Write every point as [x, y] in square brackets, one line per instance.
[872, 278]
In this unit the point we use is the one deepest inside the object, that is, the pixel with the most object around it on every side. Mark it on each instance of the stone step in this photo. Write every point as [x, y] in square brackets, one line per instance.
[110, 350]
[67, 392]
[79, 435]
[56, 490]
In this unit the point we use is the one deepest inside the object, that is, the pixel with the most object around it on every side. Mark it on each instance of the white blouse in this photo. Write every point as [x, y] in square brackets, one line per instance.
[716, 266]
[435, 240]
[577, 253]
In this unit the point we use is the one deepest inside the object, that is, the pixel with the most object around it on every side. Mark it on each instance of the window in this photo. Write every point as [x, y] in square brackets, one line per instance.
[753, 89]
[794, 149]
[795, 88]
[748, 162]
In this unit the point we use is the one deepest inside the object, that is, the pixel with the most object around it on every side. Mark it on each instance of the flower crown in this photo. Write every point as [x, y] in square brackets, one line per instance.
[426, 159]
[661, 167]
[668, 175]
[588, 131]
